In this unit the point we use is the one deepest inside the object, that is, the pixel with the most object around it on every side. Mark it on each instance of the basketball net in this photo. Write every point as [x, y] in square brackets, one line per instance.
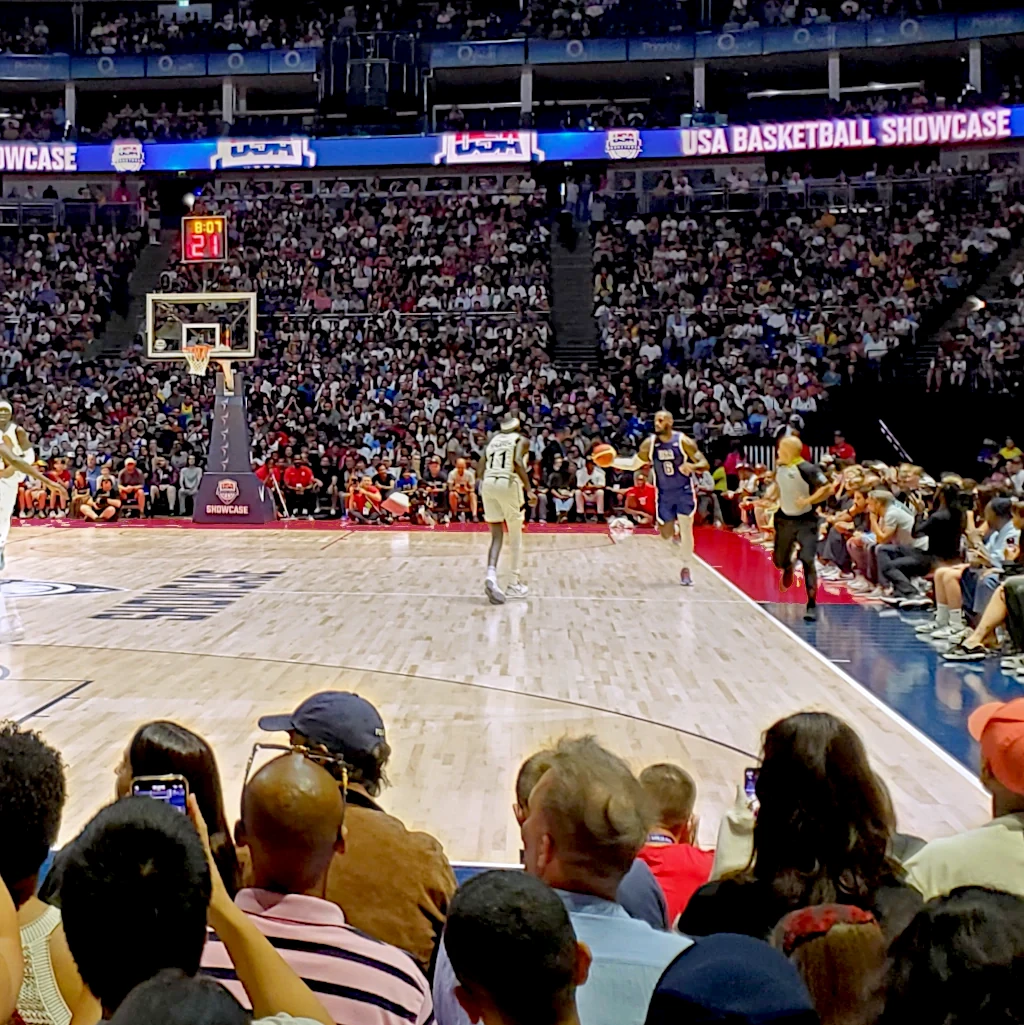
[198, 357]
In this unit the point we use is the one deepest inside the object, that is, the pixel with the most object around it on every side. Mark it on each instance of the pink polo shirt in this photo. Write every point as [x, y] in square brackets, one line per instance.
[360, 980]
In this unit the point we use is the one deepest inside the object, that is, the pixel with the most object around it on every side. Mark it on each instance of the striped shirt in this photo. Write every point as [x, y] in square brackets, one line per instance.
[360, 980]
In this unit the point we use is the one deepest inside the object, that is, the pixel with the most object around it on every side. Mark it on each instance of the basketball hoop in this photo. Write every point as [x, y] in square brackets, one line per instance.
[198, 357]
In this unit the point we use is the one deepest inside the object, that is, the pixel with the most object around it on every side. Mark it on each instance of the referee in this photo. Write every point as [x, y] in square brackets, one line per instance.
[799, 487]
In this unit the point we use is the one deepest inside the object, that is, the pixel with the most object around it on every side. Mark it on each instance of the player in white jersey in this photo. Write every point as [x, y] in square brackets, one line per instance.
[16, 459]
[505, 481]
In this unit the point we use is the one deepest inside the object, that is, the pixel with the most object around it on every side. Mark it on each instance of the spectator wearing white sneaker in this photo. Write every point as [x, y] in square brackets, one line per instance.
[892, 523]
[936, 542]
[988, 548]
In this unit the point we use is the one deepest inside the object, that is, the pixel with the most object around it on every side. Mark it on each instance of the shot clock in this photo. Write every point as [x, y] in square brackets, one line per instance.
[204, 239]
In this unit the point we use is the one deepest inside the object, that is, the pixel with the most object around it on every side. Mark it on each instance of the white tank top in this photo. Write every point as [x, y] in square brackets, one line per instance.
[10, 437]
[501, 457]
[40, 1001]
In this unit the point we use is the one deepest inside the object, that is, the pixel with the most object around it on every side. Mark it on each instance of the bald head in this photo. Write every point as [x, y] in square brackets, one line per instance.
[790, 449]
[292, 816]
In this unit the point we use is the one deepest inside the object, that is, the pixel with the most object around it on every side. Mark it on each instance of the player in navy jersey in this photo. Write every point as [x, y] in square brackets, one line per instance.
[675, 458]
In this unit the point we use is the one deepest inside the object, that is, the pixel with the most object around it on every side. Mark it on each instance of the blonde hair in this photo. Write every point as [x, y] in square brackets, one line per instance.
[672, 793]
[842, 969]
[598, 813]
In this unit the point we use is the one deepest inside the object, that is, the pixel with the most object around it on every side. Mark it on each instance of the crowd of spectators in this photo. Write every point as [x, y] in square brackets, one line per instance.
[146, 32]
[984, 353]
[395, 326]
[742, 321]
[256, 26]
[317, 905]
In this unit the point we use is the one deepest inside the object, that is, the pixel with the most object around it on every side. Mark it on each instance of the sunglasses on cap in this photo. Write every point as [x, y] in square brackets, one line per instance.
[332, 763]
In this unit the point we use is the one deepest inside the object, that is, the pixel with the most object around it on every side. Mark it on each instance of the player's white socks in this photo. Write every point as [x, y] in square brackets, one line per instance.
[942, 615]
[956, 619]
[492, 574]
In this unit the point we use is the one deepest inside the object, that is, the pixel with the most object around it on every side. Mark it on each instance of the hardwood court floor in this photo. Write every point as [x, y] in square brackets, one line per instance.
[608, 643]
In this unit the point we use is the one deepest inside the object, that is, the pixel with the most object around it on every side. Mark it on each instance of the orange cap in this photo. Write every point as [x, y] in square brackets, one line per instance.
[999, 728]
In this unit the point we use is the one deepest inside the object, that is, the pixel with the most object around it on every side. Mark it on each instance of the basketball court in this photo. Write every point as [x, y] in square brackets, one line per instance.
[216, 627]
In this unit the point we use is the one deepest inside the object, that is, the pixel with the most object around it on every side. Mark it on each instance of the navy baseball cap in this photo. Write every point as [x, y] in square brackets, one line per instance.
[730, 978]
[344, 723]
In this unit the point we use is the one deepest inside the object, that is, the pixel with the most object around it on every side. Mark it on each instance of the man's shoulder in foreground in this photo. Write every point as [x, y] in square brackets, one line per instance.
[615, 937]
[991, 855]
[628, 959]
[372, 820]
[284, 1019]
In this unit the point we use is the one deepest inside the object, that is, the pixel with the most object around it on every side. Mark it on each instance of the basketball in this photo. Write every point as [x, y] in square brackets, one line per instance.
[396, 503]
[603, 455]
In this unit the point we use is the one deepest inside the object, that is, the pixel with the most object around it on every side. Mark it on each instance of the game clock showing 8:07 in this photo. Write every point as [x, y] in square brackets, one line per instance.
[204, 239]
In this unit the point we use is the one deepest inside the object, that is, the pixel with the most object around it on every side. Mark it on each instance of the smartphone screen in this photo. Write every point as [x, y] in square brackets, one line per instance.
[173, 790]
[750, 783]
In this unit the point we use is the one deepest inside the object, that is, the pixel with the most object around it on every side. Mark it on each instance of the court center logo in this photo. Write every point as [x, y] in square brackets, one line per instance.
[15, 588]
[227, 490]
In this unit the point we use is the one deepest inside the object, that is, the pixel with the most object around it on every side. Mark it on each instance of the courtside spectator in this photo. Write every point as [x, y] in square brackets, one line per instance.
[639, 501]
[958, 962]
[188, 484]
[391, 883]
[639, 892]
[732, 979]
[293, 814]
[362, 501]
[822, 835]
[139, 884]
[680, 867]
[839, 951]
[163, 487]
[590, 484]
[514, 952]
[586, 822]
[105, 503]
[131, 483]
[462, 495]
[301, 487]
[992, 855]
[841, 450]
[32, 792]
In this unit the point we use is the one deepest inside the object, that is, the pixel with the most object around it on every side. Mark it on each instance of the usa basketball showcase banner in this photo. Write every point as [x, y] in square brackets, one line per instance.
[519, 146]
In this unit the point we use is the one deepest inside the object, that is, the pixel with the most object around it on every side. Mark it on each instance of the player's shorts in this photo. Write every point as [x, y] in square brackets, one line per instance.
[795, 530]
[673, 504]
[503, 500]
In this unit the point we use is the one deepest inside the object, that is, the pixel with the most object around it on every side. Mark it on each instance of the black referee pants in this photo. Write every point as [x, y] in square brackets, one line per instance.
[801, 531]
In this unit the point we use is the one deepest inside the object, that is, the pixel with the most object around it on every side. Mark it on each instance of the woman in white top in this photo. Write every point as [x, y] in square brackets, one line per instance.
[31, 802]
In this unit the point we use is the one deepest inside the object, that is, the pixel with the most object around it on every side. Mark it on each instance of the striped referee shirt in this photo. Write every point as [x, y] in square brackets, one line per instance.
[360, 980]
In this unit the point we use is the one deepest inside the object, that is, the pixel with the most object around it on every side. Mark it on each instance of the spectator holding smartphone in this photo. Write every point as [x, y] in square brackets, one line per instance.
[105, 504]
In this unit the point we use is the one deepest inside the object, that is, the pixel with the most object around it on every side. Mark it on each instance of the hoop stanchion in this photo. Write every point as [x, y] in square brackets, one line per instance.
[229, 491]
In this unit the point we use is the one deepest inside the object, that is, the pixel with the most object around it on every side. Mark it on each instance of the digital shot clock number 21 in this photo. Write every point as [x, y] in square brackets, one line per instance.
[204, 239]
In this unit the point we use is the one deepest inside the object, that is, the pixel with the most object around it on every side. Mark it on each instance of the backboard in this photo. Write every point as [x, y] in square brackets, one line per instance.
[224, 320]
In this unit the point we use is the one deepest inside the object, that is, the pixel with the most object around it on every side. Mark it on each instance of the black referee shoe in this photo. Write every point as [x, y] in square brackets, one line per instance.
[811, 614]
